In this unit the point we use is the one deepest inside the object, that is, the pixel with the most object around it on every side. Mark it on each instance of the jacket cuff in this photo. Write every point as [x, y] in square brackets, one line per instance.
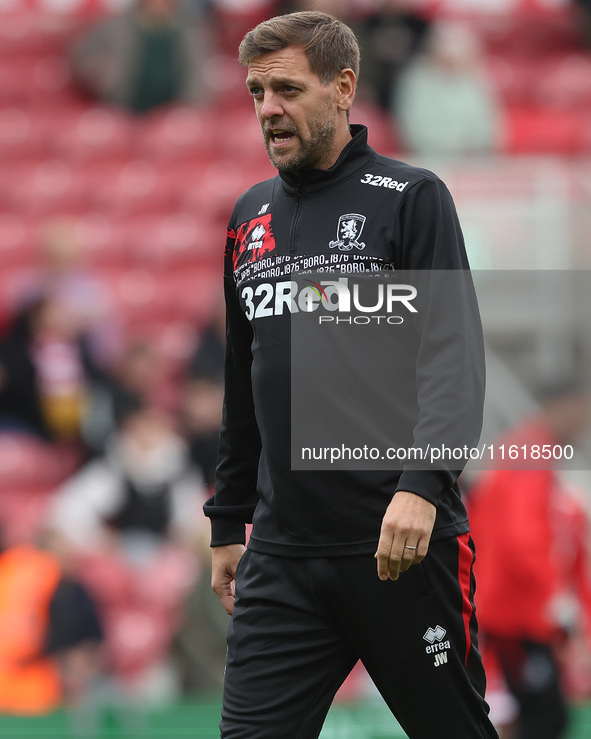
[226, 531]
[428, 484]
[228, 523]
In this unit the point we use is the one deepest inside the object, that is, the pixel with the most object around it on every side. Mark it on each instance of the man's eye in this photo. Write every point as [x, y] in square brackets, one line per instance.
[256, 92]
[289, 88]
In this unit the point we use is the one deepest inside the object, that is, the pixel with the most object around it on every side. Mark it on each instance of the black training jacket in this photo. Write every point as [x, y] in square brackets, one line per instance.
[366, 213]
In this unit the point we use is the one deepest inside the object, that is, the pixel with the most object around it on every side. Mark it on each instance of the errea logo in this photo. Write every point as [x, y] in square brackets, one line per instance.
[434, 634]
[258, 234]
[438, 647]
[377, 181]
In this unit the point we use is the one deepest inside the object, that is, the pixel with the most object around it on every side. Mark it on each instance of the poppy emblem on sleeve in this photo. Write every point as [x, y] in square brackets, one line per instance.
[254, 240]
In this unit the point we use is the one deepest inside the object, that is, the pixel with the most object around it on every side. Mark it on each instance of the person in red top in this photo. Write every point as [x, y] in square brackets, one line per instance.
[531, 560]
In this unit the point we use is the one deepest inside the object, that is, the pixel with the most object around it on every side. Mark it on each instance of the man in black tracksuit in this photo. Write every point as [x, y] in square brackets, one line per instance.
[305, 598]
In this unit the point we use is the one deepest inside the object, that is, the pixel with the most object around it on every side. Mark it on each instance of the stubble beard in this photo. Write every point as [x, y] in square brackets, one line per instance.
[312, 153]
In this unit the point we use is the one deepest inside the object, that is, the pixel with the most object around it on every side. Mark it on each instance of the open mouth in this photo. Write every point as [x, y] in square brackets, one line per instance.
[279, 137]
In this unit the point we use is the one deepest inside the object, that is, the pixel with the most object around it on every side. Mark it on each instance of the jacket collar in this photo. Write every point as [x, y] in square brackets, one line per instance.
[356, 155]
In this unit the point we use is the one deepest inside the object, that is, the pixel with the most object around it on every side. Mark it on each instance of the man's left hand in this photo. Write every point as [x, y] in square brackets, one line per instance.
[406, 531]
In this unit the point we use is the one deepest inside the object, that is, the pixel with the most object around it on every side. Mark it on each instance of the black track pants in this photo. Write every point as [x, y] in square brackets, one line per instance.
[300, 625]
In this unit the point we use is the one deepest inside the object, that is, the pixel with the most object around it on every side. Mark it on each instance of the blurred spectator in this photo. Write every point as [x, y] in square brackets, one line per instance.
[203, 396]
[200, 641]
[133, 518]
[62, 275]
[584, 10]
[142, 492]
[339, 8]
[390, 37]
[150, 56]
[244, 6]
[43, 373]
[444, 104]
[233, 18]
[533, 567]
[137, 378]
[74, 639]
[29, 679]
[50, 634]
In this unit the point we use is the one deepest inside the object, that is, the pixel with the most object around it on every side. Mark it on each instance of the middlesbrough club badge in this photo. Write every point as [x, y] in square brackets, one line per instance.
[349, 231]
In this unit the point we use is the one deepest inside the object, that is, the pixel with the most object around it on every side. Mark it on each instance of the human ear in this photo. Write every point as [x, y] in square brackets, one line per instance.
[346, 85]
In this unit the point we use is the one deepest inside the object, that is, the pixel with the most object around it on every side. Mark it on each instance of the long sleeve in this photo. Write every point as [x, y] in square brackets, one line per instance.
[450, 362]
[235, 498]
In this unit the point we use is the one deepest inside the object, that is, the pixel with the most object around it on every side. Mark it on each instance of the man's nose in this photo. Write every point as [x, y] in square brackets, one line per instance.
[271, 107]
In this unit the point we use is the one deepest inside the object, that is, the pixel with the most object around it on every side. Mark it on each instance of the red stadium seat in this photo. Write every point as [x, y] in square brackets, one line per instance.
[18, 241]
[105, 240]
[126, 187]
[228, 80]
[43, 188]
[174, 341]
[25, 30]
[175, 240]
[33, 79]
[96, 133]
[381, 126]
[240, 137]
[23, 512]
[140, 605]
[530, 37]
[163, 585]
[31, 133]
[14, 283]
[214, 193]
[234, 18]
[192, 294]
[139, 295]
[514, 78]
[586, 133]
[136, 638]
[106, 576]
[27, 462]
[177, 342]
[21, 136]
[565, 81]
[12, 91]
[534, 130]
[178, 133]
[556, 81]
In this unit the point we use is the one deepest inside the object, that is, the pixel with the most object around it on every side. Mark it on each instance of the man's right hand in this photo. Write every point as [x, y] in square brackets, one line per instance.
[223, 573]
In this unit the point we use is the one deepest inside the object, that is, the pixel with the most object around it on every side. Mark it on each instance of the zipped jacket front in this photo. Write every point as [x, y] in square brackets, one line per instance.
[366, 214]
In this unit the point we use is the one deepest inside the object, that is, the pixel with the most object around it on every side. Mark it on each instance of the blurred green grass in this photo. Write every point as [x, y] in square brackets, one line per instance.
[370, 720]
